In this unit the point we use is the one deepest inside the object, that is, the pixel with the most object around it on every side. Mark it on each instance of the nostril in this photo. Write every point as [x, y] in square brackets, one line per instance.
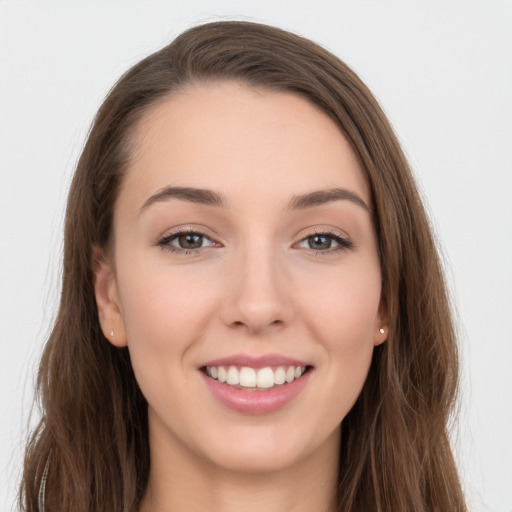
[239, 324]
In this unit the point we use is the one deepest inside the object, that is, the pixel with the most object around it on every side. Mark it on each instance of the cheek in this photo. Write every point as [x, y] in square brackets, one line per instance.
[165, 310]
[343, 319]
[159, 300]
[343, 307]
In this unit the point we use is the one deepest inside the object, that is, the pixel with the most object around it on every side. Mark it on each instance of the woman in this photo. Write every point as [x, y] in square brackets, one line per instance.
[253, 312]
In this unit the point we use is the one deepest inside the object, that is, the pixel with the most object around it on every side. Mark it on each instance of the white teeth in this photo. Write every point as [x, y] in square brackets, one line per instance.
[264, 378]
[221, 373]
[247, 377]
[233, 378]
[280, 376]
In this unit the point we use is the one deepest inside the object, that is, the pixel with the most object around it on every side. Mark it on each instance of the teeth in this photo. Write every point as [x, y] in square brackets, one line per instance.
[266, 378]
[233, 378]
[221, 373]
[279, 376]
[246, 377]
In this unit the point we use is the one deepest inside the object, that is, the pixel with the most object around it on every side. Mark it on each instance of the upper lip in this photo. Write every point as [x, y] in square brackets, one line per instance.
[256, 362]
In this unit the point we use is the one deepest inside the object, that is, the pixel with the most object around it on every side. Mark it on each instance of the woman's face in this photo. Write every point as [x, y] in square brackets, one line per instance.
[244, 251]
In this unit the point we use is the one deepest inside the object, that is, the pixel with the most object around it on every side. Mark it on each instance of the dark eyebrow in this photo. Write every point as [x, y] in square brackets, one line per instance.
[211, 198]
[325, 196]
[192, 195]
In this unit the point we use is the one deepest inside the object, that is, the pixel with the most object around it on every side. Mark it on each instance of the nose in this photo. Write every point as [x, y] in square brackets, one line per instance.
[257, 296]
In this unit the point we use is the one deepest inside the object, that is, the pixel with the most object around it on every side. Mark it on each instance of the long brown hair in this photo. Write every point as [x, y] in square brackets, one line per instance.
[91, 447]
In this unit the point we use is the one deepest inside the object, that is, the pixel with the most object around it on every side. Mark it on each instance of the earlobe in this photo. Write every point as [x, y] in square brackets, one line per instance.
[381, 335]
[107, 299]
[381, 326]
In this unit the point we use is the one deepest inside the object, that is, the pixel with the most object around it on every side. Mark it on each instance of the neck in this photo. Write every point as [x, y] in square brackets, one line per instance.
[180, 480]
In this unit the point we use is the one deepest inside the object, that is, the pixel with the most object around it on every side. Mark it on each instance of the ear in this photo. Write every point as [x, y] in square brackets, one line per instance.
[107, 299]
[381, 326]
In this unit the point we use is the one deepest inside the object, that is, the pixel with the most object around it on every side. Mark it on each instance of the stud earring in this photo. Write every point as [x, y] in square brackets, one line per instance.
[112, 334]
[381, 330]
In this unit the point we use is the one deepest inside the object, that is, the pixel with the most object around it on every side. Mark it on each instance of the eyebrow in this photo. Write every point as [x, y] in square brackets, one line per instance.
[319, 197]
[212, 198]
[190, 194]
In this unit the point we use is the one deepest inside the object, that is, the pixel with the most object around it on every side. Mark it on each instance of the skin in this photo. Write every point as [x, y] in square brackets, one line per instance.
[255, 287]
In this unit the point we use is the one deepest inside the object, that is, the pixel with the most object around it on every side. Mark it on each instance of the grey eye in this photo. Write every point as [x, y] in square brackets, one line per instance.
[184, 241]
[325, 242]
[319, 242]
[189, 241]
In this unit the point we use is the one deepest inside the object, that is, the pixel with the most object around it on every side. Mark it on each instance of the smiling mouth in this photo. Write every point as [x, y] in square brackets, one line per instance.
[252, 379]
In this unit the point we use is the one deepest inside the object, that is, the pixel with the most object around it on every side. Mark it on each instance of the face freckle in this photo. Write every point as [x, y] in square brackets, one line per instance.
[218, 263]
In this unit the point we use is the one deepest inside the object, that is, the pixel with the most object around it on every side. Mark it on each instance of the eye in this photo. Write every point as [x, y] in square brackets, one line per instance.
[325, 242]
[185, 241]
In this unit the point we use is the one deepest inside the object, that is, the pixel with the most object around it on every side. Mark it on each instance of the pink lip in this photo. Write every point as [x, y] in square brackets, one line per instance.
[256, 362]
[255, 401]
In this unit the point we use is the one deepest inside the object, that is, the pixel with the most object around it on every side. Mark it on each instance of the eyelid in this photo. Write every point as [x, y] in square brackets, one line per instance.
[164, 240]
[187, 228]
[342, 239]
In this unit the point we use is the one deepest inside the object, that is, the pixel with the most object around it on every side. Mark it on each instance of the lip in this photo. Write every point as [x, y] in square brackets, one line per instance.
[252, 401]
[256, 362]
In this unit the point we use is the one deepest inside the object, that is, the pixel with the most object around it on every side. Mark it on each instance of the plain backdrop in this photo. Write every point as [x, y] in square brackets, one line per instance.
[442, 71]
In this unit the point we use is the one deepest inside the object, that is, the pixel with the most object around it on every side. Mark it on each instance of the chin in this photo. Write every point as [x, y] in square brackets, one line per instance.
[268, 453]
[251, 462]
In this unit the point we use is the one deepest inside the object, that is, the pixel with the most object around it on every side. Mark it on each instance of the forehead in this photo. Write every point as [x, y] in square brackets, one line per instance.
[239, 139]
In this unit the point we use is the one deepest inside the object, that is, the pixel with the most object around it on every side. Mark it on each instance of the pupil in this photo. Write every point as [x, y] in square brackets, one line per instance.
[319, 242]
[190, 241]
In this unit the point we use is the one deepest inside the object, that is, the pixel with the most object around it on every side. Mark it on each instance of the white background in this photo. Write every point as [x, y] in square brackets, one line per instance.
[443, 73]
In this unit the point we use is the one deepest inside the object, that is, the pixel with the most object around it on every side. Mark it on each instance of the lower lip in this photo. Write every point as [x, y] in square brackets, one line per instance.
[254, 401]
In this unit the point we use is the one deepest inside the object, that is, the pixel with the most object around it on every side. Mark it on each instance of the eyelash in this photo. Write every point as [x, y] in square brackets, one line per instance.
[165, 242]
[343, 242]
